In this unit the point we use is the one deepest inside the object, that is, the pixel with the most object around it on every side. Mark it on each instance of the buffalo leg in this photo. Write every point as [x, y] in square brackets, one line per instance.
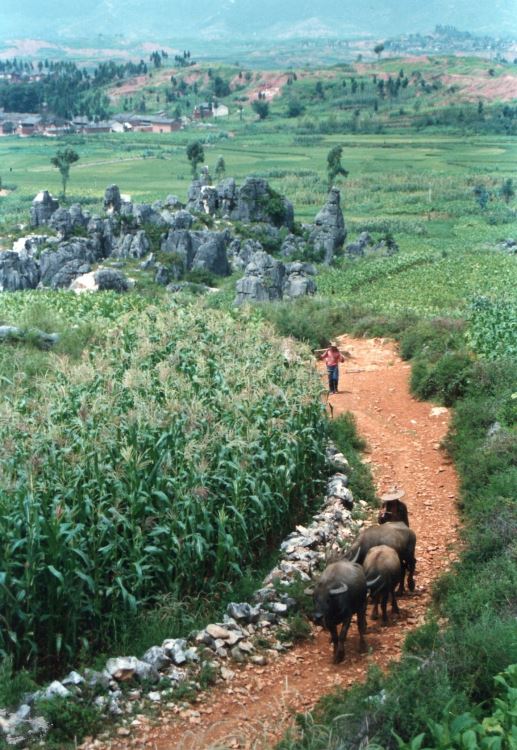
[334, 640]
[394, 606]
[361, 626]
[411, 569]
[339, 652]
[375, 610]
[384, 605]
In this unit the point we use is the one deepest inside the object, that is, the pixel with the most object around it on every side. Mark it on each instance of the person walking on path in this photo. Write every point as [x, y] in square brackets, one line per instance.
[332, 357]
[393, 509]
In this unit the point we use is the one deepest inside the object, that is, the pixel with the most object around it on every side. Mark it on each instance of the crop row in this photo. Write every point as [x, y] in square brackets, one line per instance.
[163, 460]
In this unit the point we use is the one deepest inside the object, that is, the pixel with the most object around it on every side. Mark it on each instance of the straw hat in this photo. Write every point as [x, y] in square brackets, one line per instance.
[392, 494]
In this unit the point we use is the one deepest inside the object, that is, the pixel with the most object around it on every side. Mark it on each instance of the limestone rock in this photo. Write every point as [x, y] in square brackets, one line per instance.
[132, 245]
[109, 279]
[211, 255]
[329, 232]
[299, 280]
[18, 271]
[263, 281]
[157, 657]
[243, 611]
[112, 199]
[42, 208]
[71, 259]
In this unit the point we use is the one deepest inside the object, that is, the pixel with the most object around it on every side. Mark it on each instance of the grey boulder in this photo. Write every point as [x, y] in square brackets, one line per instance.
[42, 208]
[329, 232]
[18, 271]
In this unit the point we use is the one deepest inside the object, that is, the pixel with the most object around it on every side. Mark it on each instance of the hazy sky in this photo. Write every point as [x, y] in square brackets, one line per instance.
[173, 19]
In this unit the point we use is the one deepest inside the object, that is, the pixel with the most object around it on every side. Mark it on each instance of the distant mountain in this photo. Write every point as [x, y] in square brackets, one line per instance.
[170, 20]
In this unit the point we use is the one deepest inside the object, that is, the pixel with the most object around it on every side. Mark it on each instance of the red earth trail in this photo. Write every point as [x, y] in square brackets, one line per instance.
[253, 709]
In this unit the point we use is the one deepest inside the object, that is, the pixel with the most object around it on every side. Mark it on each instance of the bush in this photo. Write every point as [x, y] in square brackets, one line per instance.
[69, 721]
[202, 276]
[446, 380]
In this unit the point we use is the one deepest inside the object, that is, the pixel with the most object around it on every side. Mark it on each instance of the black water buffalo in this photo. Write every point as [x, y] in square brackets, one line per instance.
[395, 535]
[340, 593]
[383, 562]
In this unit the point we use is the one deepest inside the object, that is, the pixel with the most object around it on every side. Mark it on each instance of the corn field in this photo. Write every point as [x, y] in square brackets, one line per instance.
[166, 458]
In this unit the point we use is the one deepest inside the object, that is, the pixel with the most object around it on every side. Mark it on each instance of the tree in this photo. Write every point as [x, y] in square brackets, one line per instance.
[506, 190]
[482, 195]
[220, 168]
[334, 166]
[195, 155]
[261, 108]
[379, 49]
[63, 160]
[295, 108]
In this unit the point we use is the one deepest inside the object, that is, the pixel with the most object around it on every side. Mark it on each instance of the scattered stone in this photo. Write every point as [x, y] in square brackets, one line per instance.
[156, 657]
[259, 660]
[73, 678]
[243, 611]
[55, 690]
[175, 649]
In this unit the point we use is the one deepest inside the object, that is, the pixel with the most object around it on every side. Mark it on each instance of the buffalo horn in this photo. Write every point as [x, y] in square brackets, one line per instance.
[373, 582]
[355, 558]
[339, 590]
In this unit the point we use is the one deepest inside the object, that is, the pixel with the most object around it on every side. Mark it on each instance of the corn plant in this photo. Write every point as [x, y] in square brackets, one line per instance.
[164, 460]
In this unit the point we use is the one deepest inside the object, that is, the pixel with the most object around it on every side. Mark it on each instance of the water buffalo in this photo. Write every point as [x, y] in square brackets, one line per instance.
[384, 562]
[395, 535]
[340, 593]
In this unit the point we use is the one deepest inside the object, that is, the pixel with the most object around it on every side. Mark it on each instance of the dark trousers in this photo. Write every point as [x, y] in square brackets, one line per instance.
[333, 375]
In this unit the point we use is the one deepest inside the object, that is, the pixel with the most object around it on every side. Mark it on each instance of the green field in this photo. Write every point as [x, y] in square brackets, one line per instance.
[449, 295]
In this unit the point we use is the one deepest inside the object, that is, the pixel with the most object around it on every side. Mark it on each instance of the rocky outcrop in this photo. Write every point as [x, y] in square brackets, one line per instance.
[256, 201]
[42, 208]
[293, 246]
[263, 280]
[132, 245]
[60, 267]
[329, 232]
[196, 249]
[211, 254]
[66, 221]
[267, 279]
[18, 271]
[227, 196]
[112, 199]
[357, 249]
[366, 245]
[299, 280]
[240, 253]
[102, 232]
[110, 279]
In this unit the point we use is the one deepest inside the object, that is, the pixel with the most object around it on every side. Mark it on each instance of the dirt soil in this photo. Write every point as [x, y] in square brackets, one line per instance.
[254, 709]
[472, 88]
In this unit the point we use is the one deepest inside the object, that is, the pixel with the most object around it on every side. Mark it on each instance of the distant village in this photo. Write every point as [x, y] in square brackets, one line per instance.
[27, 124]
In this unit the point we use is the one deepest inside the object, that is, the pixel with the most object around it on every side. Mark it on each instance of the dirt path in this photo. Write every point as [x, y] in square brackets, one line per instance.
[403, 438]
